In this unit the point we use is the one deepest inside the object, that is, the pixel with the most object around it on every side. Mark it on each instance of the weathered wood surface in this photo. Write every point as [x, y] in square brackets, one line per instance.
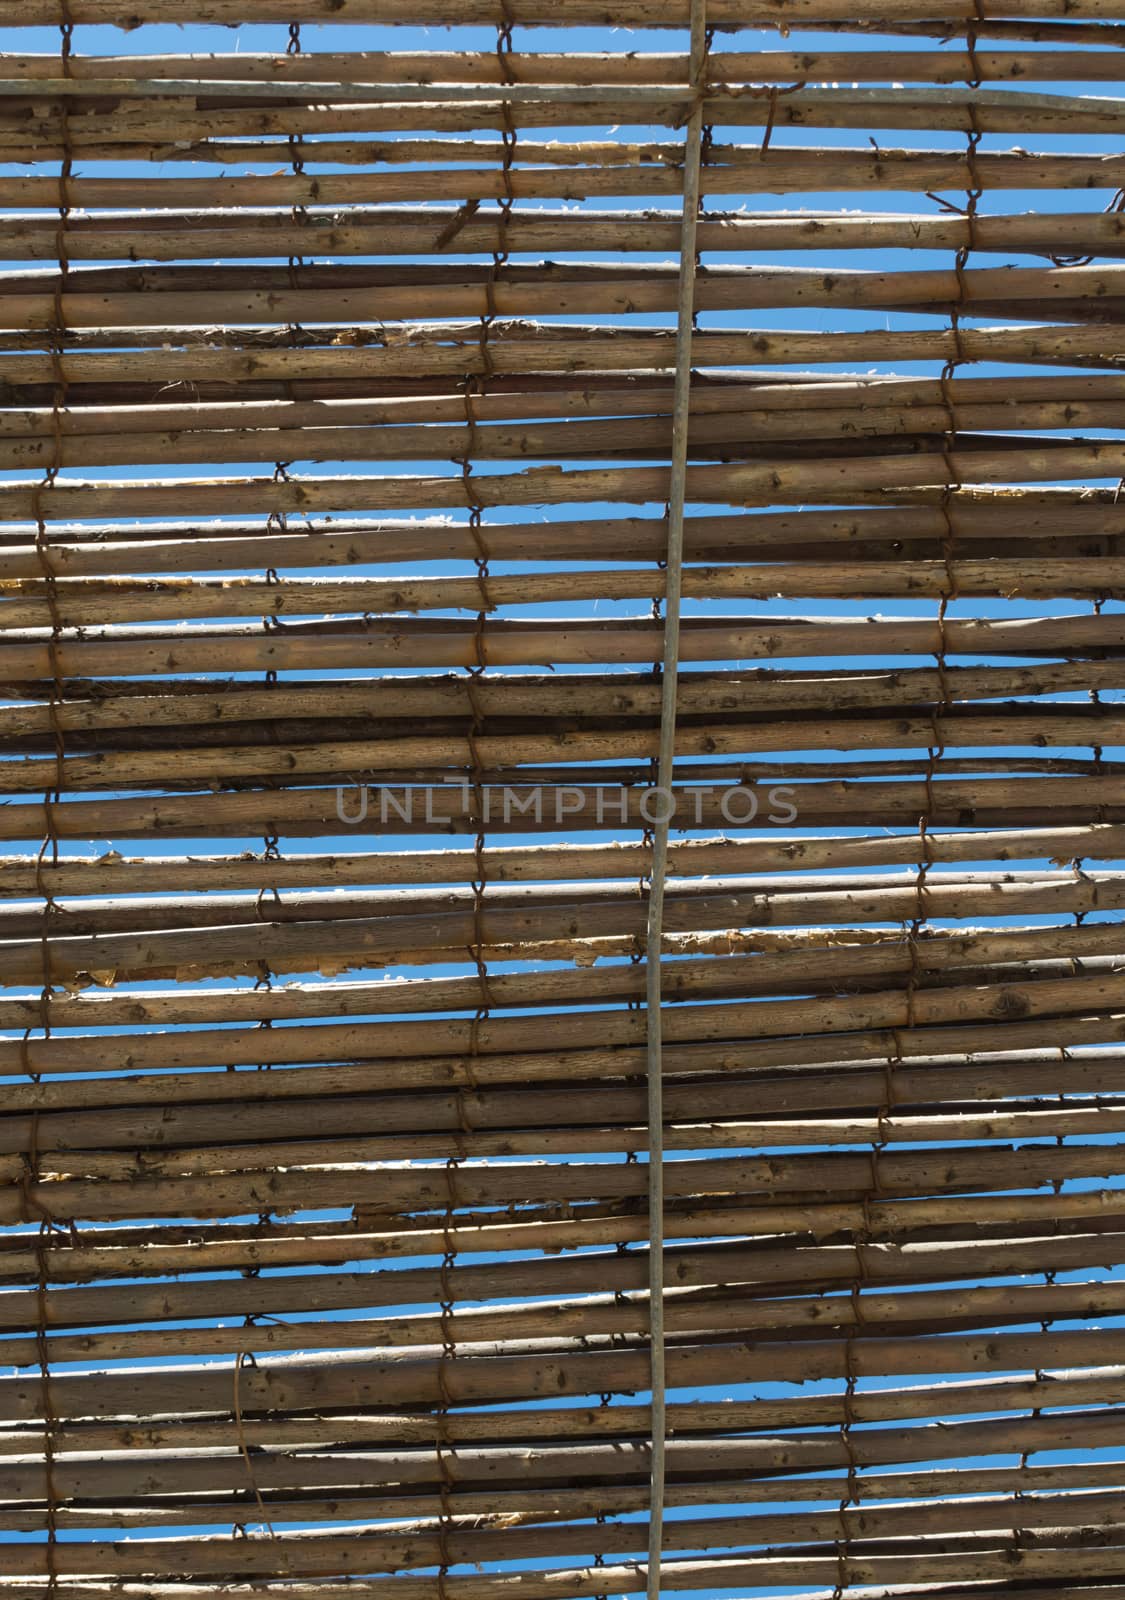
[336, 433]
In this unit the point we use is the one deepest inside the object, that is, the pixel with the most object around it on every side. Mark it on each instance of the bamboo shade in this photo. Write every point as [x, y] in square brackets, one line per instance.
[562, 989]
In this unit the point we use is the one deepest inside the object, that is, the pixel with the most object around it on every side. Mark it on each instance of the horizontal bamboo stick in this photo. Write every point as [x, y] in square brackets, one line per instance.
[631, 394]
[121, 770]
[311, 1384]
[724, 440]
[533, 1504]
[998, 802]
[85, 102]
[218, 555]
[177, 128]
[869, 1050]
[861, 957]
[354, 231]
[362, 939]
[756, 1271]
[319, 1130]
[1008, 728]
[806, 536]
[786, 900]
[687, 1420]
[977, 510]
[266, 333]
[765, 1523]
[442, 642]
[132, 119]
[726, 14]
[825, 1565]
[756, 484]
[802, 957]
[715, 778]
[718, 1133]
[107, 714]
[502, 392]
[592, 1466]
[355, 1094]
[577, 67]
[399, 1286]
[743, 170]
[606, 351]
[109, 873]
[169, 1249]
[851, 1174]
[680, 1576]
[37, 603]
[772, 409]
[389, 1549]
[578, 288]
[992, 28]
[690, 1314]
[538, 1134]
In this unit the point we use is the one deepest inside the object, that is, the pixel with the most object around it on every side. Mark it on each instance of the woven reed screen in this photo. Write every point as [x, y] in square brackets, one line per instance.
[360, 385]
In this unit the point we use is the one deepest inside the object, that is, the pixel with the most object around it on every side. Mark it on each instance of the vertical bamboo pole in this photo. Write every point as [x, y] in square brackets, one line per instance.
[693, 138]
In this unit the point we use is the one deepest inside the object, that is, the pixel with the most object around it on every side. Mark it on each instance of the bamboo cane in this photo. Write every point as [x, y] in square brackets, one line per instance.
[692, 1315]
[234, 1194]
[458, 291]
[227, 1246]
[210, 712]
[808, 536]
[538, 1504]
[108, 873]
[447, 643]
[725, 1131]
[362, 940]
[235, 234]
[752, 484]
[687, 1420]
[572, 67]
[609, 351]
[860, 957]
[277, 1472]
[679, 1576]
[122, 770]
[310, 1384]
[575, 13]
[313, 813]
[149, 132]
[870, 1049]
[778, 409]
[743, 170]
